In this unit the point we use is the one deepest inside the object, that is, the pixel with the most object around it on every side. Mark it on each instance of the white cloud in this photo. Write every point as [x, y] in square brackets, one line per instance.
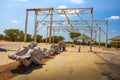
[68, 11]
[73, 11]
[113, 18]
[16, 22]
[24, 0]
[78, 1]
[62, 7]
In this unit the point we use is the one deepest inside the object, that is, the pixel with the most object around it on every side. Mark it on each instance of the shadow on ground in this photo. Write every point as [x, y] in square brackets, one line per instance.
[3, 50]
[13, 69]
[26, 70]
[109, 62]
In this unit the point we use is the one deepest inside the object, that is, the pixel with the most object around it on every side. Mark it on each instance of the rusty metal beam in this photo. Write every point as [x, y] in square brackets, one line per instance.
[39, 9]
[106, 34]
[47, 34]
[50, 34]
[95, 35]
[36, 26]
[99, 36]
[26, 25]
[69, 22]
[91, 26]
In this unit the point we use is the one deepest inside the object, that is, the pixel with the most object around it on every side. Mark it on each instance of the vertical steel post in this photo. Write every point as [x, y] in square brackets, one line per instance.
[47, 34]
[91, 25]
[106, 22]
[95, 35]
[53, 36]
[50, 34]
[26, 25]
[99, 36]
[36, 25]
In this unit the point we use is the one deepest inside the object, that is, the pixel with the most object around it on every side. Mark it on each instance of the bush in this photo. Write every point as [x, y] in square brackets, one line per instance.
[115, 44]
[39, 38]
[102, 44]
[56, 39]
[16, 35]
[1, 37]
[13, 34]
[29, 38]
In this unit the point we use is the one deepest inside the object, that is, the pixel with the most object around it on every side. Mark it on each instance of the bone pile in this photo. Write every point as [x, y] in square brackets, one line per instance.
[33, 54]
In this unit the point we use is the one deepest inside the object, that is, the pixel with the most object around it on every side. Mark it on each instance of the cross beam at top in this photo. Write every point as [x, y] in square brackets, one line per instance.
[39, 9]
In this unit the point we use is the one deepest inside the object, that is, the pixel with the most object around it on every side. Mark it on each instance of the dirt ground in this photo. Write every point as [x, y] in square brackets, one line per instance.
[69, 65]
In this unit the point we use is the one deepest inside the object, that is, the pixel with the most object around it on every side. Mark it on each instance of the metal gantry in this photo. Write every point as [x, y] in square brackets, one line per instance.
[70, 19]
[83, 25]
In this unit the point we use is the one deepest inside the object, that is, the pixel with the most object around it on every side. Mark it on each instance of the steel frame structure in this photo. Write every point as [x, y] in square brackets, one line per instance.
[68, 23]
[97, 26]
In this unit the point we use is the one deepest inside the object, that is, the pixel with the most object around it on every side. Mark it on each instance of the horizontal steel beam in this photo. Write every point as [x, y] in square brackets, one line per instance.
[39, 9]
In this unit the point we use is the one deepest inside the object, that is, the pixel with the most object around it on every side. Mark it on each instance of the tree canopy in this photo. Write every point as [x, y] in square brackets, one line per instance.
[56, 39]
[73, 35]
[13, 34]
[16, 35]
[1, 36]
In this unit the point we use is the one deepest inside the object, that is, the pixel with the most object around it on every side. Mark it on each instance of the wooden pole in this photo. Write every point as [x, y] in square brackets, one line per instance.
[53, 36]
[99, 36]
[47, 34]
[36, 25]
[91, 25]
[106, 34]
[50, 34]
[95, 35]
[26, 25]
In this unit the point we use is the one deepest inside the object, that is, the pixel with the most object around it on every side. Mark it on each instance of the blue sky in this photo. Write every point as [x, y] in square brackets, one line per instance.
[12, 14]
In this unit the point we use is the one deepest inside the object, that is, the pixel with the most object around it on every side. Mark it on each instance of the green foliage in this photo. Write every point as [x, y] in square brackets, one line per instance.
[39, 38]
[44, 40]
[68, 42]
[56, 39]
[13, 34]
[29, 38]
[21, 36]
[115, 44]
[108, 45]
[1, 36]
[74, 34]
[102, 44]
[16, 35]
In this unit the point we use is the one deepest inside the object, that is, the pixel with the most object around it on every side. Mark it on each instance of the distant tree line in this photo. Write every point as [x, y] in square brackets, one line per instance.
[18, 35]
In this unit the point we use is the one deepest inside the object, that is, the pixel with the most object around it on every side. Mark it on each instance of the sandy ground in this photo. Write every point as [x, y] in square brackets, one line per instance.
[69, 65]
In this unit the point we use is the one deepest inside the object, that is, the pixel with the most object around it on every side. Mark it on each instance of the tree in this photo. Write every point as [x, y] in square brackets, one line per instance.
[74, 35]
[1, 36]
[39, 38]
[15, 35]
[29, 38]
[12, 34]
[56, 39]
[21, 36]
